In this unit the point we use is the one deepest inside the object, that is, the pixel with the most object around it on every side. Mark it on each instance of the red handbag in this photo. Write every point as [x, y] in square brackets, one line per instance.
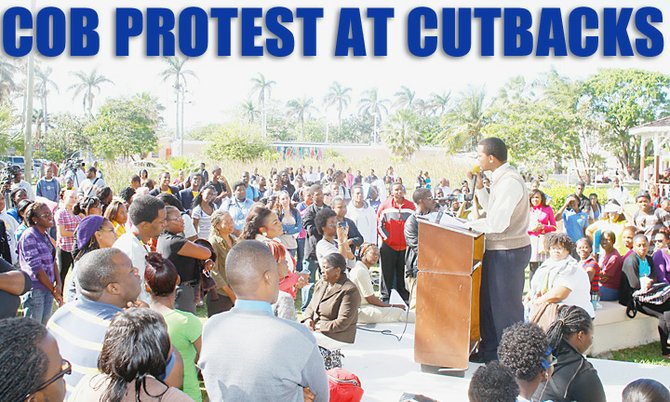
[344, 386]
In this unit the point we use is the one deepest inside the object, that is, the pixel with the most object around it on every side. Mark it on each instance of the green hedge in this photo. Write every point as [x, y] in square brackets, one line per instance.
[559, 192]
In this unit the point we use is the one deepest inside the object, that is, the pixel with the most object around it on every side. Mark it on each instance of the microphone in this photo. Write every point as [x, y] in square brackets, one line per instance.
[475, 173]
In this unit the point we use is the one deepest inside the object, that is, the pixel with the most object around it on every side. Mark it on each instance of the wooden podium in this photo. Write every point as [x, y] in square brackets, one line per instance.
[447, 299]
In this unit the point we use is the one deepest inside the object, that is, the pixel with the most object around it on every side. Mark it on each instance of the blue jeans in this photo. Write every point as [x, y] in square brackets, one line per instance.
[37, 304]
[309, 267]
[608, 294]
[301, 252]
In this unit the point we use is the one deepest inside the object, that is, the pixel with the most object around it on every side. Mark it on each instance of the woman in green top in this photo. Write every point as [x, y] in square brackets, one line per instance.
[185, 329]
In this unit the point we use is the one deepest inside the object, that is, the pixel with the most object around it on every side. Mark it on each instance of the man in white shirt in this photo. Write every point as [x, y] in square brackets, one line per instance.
[363, 215]
[89, 186]
[617, 192]
[149, 217]
[20, 183]
[507, 245]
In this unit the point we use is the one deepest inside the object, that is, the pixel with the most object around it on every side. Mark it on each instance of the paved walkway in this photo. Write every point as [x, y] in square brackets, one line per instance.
[387, 369]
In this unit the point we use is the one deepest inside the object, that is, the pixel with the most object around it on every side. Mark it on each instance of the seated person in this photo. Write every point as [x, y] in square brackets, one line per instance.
[639, 274]
[525, 350]
[610, 263]
[333, 312]
[574, 378]
[373, 310]
[134, 355]
[559, 279]
[645, 390]
[493, 382]
[33, 368]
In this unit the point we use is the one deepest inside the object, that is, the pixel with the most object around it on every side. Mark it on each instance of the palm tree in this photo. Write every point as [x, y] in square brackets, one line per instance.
[405, 98]
[250, 111]
[7, 84]
[337, 96]
[176, 71]
[42, 85]
[467, 119]
[439, 102]
[401, 134]
[372, 105]
[264, 89]
[301, 109]
[88, 84]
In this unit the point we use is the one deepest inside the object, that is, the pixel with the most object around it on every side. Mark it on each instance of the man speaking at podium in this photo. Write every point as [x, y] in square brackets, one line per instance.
[507, 245]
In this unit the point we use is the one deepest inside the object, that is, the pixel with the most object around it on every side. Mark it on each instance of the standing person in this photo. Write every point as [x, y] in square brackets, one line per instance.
[596, 208]
[184, 328]
[37, 258]
[507, 245]
[239, 361]
[48, 186]
[313, 236]
[646, 218]
[185, 255]
[617, 192]
[20, 183]
[339, 205]
[291, 222]
[164, 186]
[148, 216]
[425, 204]
[187, 195]
[222, 240]
[203, 207]
[575, 220]
[252, 192]
[220, 184]
[238, 206]
[117, 213]
[66, 223]
[94, 232]
[391, 219]
[203, 172]
[16, 196]
[542, 221]
[89, 186]
[11, 225]
[363, 215]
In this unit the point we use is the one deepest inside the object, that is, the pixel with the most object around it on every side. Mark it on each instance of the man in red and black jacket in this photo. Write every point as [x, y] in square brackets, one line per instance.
[391, 218]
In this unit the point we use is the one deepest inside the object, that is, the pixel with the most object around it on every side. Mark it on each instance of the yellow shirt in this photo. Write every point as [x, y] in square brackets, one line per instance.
[119, 229]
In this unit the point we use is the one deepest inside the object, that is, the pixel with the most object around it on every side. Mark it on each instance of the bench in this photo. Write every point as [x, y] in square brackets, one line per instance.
[613, 330]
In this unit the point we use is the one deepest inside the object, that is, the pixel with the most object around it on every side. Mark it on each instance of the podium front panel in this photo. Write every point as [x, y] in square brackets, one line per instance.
[443, 320]
[443, 250]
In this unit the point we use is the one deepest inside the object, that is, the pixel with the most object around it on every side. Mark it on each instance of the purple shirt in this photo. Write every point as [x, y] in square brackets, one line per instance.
[662, 266]
[36, 253]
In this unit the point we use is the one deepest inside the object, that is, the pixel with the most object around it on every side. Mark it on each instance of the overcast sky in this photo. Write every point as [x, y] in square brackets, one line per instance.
[223, 83]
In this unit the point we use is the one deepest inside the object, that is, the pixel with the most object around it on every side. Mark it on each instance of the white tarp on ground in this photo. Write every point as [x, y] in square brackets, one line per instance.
[386, 368]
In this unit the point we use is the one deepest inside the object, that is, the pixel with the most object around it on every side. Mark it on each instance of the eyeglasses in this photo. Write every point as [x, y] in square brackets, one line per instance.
[66, 369]
[659, 241]
[46, 215]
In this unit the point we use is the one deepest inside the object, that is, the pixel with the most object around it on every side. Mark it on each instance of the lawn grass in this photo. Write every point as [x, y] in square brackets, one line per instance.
[645, 354]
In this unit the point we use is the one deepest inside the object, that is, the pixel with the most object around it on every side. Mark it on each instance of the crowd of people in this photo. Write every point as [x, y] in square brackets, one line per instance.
[128, 271]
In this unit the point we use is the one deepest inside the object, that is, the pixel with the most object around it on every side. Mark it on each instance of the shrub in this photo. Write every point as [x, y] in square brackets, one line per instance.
[559, 192]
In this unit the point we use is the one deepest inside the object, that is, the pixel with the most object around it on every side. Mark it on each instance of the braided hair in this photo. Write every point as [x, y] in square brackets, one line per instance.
[570, 320]
[23, 365]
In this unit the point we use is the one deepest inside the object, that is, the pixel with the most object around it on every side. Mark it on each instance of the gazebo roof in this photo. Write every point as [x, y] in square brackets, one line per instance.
[661, 126]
